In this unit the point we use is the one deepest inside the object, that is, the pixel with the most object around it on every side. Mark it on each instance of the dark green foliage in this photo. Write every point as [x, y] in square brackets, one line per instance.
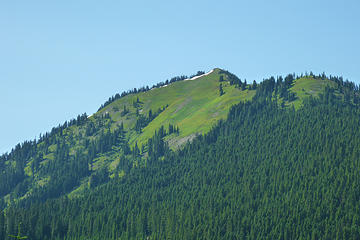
[98, 178]
[2, 225]
[66, 168]
[173, 129]
[12, 176]
[115, 108]
[232, 78]
[125, 111]
[197, 74]
[264, 173]
[282, 87]
[221, 90]
[19, 235]
[243, 85]
[137, 103]
[90, 129]
[157, 147]
[254, 85]
[143, 121]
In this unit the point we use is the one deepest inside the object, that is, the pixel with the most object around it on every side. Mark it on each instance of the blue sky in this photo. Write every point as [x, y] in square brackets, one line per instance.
[62, 58]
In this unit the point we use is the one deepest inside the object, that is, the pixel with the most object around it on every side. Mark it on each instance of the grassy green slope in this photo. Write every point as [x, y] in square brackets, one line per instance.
[308, 86]
[194, 106]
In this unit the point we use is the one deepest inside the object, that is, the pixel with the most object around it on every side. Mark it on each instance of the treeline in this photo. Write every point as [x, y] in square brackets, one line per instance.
[280, 85]
[264, 173]
[78, 121]
[147, 88]
[11, 175]
[142, 121]
[349, 90]
[67, 169]
[56, 164]
[156, 146]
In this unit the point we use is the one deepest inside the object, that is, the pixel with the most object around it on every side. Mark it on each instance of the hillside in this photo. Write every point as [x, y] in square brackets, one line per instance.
[233, 154]
[192, 105]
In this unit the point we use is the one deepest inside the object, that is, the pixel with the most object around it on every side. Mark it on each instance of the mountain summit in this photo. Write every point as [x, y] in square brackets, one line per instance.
[207, 156]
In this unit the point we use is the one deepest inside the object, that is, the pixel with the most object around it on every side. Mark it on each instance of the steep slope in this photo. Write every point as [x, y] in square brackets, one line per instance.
[85, 151]
[192, 105]
[266, 172]
[135, 129]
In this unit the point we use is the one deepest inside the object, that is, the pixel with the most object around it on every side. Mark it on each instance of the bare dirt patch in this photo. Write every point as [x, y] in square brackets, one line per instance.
[176, 143]
[184, 103]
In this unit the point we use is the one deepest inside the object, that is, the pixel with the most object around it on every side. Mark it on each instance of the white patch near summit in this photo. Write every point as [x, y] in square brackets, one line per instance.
[196, 77]
[189, 79]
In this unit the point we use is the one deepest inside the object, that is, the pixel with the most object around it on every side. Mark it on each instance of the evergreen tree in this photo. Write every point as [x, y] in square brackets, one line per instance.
[243, 85]
[254, 85]
[221, 91]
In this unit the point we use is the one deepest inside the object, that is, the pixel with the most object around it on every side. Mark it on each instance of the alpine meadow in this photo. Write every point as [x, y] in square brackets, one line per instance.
[180, 120]
[209, 156]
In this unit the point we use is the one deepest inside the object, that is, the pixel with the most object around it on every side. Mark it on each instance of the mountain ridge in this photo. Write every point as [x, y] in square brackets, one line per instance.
[283, 165]
[122, 128]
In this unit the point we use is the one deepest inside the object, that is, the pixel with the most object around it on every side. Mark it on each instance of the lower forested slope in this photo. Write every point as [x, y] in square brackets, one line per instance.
[89, 150]
[266, 172]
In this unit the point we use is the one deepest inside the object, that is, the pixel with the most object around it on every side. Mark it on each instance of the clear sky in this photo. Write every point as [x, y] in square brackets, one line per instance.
[62, 58]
